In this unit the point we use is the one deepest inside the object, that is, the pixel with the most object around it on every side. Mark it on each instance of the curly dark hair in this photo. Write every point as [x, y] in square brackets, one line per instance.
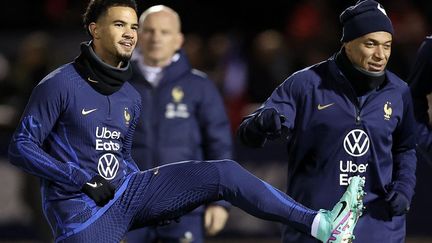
[97, 8]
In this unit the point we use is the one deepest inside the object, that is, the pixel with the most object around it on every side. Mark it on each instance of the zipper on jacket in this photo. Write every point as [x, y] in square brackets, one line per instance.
[357, 107]
[354, 99]
[154, 92]
[109, 109]
[360, 106]
[352, 96]
[358, 118]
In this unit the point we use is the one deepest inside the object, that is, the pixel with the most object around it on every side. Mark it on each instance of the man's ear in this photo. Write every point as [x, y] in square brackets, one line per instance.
[347, 47]
[93, 29]
[180, 40]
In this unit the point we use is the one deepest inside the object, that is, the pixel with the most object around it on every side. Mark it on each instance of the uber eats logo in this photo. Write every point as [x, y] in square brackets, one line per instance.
[107, 140]
[356, 143]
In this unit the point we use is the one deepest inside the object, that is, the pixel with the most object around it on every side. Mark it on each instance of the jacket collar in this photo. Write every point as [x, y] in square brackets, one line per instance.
[178, 67]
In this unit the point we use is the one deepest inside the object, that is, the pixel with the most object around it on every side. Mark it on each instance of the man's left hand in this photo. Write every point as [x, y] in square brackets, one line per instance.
[399, 204]
[215, 218]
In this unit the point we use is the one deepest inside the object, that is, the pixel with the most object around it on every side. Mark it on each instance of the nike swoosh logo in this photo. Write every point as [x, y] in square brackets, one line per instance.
[84, 112]
[92, 80]
[344, 204]
[156, 171]
[322, 107]
[380, 8]
[94, 184]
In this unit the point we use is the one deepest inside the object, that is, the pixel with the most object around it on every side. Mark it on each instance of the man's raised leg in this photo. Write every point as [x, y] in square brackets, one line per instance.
[178, 188]
[262, 200]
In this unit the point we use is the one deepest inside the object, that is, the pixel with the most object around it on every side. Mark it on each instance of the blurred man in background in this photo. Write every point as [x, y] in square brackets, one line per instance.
[420, 81]
[182, 118]
[421, 86]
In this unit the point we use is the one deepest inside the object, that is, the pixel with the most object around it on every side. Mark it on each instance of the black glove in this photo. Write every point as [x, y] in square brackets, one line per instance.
[269, 122]
[99, 189]
[399, 204]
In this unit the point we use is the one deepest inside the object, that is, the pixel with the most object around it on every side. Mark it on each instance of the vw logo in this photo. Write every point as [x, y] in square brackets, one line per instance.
[108, 166]
[356, 143]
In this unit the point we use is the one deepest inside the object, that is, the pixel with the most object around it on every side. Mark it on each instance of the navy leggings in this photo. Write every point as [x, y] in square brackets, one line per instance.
[170, 191]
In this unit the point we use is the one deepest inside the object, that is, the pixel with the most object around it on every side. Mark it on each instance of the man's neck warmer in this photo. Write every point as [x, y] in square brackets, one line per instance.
[104, 78]
[361, 80]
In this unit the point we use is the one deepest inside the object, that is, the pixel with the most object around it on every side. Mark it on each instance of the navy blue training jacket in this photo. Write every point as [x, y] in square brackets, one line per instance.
[183, 118]
[421, 85]
[69, 133]
[333, 137]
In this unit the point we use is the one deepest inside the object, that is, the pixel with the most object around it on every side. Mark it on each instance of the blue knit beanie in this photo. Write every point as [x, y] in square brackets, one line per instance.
[365, 17]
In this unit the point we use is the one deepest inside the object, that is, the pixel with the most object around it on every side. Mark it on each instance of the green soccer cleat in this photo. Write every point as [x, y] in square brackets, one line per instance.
[338, 224]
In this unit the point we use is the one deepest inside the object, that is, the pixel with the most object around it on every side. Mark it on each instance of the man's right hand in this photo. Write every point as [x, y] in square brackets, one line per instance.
[99, 189]
[269, 122]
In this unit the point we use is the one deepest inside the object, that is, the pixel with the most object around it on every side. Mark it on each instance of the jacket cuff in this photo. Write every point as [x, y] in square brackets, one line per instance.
[222, 203]
[404, 189]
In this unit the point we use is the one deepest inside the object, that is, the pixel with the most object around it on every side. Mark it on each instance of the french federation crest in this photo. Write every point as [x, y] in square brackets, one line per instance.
[177, 94]
[127, 116]
[387, 110]
[176, 109]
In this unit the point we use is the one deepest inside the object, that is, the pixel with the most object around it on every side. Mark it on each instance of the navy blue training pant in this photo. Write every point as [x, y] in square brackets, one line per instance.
[170, 191]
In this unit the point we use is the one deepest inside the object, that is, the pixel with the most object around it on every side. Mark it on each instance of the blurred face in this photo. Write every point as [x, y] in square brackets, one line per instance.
[370, 52]
[159, 38]
[115, 35]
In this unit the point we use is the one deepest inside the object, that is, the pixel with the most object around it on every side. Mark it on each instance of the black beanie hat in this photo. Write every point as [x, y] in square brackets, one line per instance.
[365, 17]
